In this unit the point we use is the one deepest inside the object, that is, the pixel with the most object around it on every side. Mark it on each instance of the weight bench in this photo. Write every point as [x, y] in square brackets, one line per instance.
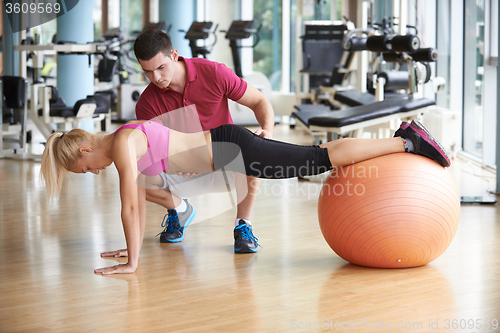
[319, 118]
[354, 97]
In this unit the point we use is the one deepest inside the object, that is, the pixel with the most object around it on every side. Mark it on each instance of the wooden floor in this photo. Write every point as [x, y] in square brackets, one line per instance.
[294, 283]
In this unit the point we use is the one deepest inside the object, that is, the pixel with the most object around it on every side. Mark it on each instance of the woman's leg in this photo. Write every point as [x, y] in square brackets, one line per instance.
[264, 158]
[348, 151]
[410, 137]
[237, 149]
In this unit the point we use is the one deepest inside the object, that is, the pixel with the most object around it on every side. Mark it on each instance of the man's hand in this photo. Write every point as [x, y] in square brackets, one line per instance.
[187, 174]
[264, 133]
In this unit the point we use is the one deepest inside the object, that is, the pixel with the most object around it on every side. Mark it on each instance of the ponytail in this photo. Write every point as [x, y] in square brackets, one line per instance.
[61, 152]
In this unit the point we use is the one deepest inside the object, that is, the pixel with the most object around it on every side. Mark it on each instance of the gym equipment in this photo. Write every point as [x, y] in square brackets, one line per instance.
[395, 211]
[48, 109]
[321, 52]
[237, 31]
[398, 43]
[128, 95]
[327, 56]
[118, 57]
[477, 200]
[354, 119]
[44, 114]
[163, 26]
[378, 109]
[117, 62]
[328, 52]
[325, 63]
[201, 31]
[14, 111]
[404, 51]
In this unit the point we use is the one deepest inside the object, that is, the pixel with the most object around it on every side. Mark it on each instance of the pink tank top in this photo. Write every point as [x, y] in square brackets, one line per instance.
[155, 161]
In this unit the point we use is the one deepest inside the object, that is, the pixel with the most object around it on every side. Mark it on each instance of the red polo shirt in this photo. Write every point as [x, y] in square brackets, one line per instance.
[208, 87]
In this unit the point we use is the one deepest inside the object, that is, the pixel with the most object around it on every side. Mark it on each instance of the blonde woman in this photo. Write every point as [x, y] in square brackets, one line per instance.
[146, 148]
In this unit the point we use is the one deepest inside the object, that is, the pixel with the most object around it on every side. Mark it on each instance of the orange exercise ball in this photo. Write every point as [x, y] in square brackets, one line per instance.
[395, 211]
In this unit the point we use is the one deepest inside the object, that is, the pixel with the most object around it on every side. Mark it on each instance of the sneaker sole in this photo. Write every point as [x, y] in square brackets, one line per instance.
[247, 251]
[188, 222]
[424, 133]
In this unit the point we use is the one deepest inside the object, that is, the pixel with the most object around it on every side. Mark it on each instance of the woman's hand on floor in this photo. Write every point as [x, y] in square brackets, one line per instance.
[115, 254]
[117, 269]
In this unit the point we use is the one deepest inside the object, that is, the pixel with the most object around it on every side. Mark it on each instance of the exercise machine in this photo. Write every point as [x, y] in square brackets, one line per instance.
[322, 51]
[328, 50]
[46, 108]
[401, 49]
[238, 31]
[199, 33]
[392, 69]
[119, 62]
[14, 134]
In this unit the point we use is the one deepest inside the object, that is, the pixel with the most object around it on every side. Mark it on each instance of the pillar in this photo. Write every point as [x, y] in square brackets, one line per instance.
[180, 14]
[10, 64]
[75, 76]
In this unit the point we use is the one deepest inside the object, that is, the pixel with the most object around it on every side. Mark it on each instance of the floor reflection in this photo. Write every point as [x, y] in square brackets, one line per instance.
[372, 298]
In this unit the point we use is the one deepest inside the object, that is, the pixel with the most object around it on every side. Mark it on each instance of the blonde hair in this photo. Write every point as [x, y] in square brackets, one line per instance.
[60, 153]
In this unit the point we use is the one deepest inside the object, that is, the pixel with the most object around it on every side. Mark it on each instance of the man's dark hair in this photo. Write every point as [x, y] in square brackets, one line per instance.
[151, 42]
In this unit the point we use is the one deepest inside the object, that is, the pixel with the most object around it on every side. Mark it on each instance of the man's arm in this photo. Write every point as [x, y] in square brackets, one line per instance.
[262, 108]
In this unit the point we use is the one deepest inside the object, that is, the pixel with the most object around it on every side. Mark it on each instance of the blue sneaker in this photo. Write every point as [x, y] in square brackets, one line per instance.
[244, 240]
[174, 224]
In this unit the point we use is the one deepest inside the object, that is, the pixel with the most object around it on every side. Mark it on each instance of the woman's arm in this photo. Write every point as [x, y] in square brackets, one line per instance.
[133, 203]
[142, 212]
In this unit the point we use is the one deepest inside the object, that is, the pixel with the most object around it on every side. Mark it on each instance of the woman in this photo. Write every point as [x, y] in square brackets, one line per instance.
[146, 148]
